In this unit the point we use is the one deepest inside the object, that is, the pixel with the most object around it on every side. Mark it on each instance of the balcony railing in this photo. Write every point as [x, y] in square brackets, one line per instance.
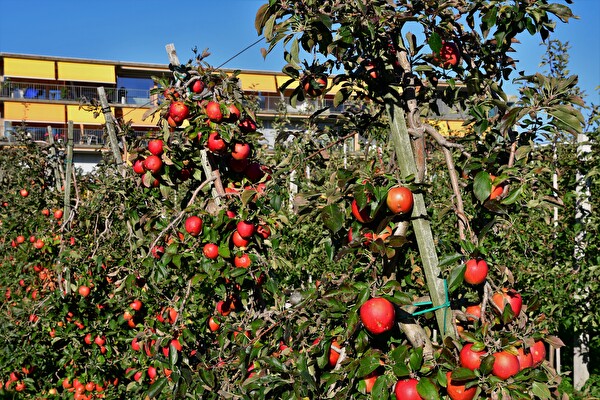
[55, 92]
[139, 97]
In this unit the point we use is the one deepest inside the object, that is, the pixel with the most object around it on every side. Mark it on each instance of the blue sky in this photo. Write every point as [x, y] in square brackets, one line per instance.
[136, 30]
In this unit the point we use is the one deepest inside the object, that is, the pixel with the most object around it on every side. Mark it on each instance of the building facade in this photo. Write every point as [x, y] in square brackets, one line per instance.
[42, 93]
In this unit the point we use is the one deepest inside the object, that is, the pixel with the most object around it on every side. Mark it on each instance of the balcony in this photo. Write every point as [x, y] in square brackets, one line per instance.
[35, 91]
[65, 93]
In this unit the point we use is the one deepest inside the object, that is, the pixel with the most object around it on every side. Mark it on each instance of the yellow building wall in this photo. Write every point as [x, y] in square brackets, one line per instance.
[34, 112]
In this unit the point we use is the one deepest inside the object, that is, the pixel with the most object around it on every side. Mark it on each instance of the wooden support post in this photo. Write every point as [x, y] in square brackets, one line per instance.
[401, 142]
[58, 181]
[68, 172]
[110, 127]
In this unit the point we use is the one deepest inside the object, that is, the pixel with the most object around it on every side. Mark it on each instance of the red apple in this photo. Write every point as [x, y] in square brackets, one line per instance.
[505, 365]
[476, 271]
[155, 147]
[247, 125]
[245, 229]
[470, 358]
[178, 111]
[538, 353]
[377, 315]
[213, 111]
[525, 359]
[198, 86]
[193, 225]
[211, 250]
[153, 164]
[215, 142]
[508, 298]
[406, 389]
[241, 151]
[457, 391]
[234, 113]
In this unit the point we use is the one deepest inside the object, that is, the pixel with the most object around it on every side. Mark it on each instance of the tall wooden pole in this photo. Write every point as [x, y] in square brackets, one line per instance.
[110, 127]
[401, 142]
[68, 172]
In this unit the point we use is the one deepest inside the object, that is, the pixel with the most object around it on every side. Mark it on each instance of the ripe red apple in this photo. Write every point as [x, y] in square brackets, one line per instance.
[24, 193]
[476, 271]
[136, 305]
[449, 56]
[153, 164]
[213, 111]
[370, 381]
[508, 298]
[245, 229]
[100, 340]
[213, 324]
[525, 359]
[470, 358]
[242, 261]
[334, 353]
[247, 125]
[210, 250]
[473, 312]
[263, 231]
[198, 86]
[238, 240]
[400, 200]
[88, 338]
[215, 142]
[234, 113]
[505, 365]
[538, 353]
[135, 345]
[406, 389]
[58, 214]
[156, 147]
[371, 70]
[377, 315]
[362, 215]
[151, 369]
[178, 111]
[457, 391]
[223, 307]
[254, 171]
[314, 86]
[241, 151]
[84, 290]
[138, 166]
[193, 225]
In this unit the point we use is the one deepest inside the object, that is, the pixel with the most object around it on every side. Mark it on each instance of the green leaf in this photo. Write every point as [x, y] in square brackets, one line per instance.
[380, 388]
[513, 196]
[332, 217]
[435, 42]
[368, 364]
[157, 387]
[463, 374]
[541, 390]
[427, 389]
[456, 278]
[482, 186]
[416, 359]
[487, 363]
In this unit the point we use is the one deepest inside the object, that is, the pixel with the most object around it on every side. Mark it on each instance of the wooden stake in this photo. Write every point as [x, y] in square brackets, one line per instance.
[58, 170]
[110, 126]
[68, 169]
[406, 161]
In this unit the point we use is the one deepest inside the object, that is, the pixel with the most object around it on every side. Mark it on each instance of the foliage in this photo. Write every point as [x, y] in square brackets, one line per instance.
[287, 325]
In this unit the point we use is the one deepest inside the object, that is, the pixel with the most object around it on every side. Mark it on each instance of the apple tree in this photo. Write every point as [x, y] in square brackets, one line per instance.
[410, 61]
